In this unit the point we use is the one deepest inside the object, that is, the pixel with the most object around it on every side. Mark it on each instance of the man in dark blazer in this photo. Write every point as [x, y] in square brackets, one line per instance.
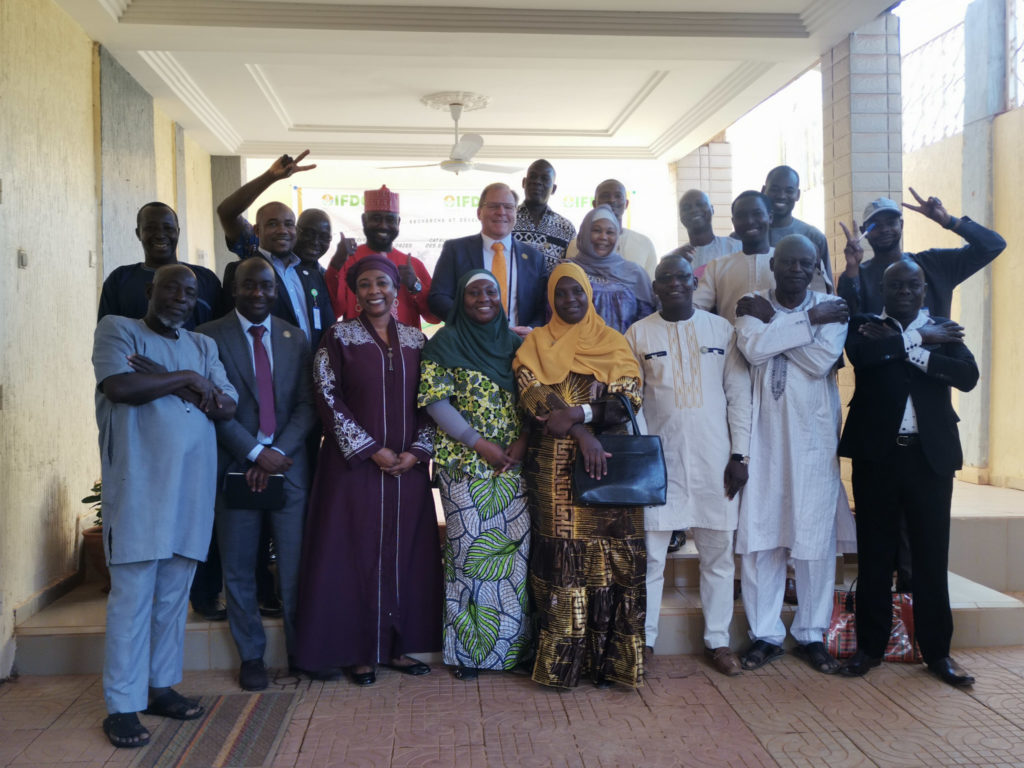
[268, 436]
[902, 436]
[524, 271]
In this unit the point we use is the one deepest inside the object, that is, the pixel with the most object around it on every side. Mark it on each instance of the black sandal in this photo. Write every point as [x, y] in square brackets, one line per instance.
[466, 673]
[759, 654]
[125, 731]
[818, 657]
[172, 704]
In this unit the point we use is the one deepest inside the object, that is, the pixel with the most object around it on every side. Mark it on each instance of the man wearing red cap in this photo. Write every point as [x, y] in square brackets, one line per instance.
[380, 225]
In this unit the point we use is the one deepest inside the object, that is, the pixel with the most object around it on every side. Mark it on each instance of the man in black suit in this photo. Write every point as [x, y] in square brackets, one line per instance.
[523, 274]
[268, 436]
[902, 436]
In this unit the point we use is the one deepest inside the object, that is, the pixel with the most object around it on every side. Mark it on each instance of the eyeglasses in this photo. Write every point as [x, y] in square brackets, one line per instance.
[508, 207]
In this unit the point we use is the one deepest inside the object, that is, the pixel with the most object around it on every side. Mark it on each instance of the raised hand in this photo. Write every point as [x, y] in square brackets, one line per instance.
[853, 251]
[286, 165]
[932, 208]
[407, 274]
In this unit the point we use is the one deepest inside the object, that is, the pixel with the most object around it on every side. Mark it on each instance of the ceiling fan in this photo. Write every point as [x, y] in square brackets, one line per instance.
[463, 150]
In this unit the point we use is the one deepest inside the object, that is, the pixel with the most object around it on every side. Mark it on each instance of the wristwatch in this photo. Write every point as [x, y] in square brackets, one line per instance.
[744, 460]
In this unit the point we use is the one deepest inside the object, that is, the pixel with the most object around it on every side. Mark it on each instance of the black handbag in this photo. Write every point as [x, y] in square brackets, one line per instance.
[636, 470]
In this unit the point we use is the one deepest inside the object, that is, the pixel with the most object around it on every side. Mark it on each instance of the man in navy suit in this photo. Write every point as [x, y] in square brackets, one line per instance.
[523, 274]
[902, 436]
[275, 377]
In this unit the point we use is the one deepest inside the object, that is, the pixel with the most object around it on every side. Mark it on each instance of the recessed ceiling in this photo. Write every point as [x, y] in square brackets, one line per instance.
[572, 79]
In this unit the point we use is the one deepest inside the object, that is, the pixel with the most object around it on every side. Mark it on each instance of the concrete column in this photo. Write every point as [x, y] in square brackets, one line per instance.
[984, 98]
[181, 192]
[127, 160]
[862, 132]
[225, 178]
[709, 169]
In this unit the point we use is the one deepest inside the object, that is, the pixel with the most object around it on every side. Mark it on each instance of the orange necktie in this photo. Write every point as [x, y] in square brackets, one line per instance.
[500, 271]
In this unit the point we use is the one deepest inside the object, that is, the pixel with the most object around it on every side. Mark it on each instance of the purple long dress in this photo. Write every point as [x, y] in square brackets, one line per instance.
[371, 584]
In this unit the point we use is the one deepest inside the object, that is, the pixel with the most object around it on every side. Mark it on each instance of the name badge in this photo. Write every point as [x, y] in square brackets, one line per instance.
[316, 318]
[712, 351]
[655, 354]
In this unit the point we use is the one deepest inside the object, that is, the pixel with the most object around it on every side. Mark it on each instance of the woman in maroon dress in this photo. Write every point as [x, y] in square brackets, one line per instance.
[371, 585]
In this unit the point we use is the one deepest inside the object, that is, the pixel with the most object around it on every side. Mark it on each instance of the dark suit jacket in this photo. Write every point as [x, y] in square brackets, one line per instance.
[463, 254]
[293, 396]
[884, 380]
[283, 306]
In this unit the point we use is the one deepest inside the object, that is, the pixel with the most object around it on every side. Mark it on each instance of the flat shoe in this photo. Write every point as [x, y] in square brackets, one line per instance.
[125, 731]
[759, 654]
[818, 657]
[364, 678]
[172, 704]
[417, 667]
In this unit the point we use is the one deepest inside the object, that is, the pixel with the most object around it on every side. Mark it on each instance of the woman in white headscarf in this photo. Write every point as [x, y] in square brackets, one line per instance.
[622, 289]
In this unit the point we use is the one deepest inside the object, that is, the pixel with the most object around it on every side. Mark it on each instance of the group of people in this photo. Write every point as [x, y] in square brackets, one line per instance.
[332, 416]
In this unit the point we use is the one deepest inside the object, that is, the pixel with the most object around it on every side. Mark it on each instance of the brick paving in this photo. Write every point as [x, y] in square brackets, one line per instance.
[685, 715]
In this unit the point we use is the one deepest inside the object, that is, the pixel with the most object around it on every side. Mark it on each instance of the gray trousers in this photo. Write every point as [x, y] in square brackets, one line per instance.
[238, 535]
[145, 639]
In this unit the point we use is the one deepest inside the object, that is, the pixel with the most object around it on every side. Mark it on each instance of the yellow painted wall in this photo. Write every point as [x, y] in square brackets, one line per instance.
[48, 450]
[1006, 446]
[199, 202]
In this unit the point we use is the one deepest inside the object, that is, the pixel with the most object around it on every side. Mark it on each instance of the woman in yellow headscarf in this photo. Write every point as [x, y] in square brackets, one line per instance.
[588, 565]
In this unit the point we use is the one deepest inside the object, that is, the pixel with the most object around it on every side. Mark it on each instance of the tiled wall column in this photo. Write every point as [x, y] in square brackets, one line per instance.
[709, 169]
[861, 123]
[984, 98]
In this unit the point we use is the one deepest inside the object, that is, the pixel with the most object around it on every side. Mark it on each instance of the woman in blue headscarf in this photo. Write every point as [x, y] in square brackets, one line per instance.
[467, 387]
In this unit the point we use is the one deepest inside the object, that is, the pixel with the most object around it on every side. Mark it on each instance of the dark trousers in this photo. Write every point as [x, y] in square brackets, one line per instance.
[903, 487]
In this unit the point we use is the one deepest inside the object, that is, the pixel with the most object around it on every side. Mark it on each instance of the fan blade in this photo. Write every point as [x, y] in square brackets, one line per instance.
[467, 146]
[394, 167]
[495, 168]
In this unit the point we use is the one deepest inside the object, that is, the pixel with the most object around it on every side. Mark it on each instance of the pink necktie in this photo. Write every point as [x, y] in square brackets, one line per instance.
[264, 381]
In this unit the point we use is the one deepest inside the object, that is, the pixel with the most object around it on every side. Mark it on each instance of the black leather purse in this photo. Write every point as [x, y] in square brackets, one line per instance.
[636, 470]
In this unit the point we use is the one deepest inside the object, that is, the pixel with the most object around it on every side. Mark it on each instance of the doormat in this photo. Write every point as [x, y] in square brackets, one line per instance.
[239, 730]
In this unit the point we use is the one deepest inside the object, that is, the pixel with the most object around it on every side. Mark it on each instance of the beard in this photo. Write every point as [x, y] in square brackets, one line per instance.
[174, 325]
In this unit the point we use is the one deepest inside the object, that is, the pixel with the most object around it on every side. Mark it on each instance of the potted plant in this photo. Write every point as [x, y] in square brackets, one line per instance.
[92, 537]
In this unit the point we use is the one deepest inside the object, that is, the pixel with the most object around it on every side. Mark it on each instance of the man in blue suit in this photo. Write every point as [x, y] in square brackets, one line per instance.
[522, 278]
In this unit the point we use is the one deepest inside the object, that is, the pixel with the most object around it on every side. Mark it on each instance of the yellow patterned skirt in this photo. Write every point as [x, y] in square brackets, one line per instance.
[588, 569]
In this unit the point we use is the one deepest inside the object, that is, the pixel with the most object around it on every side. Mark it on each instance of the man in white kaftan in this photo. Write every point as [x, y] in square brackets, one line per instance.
[792, 338]
[697, 397]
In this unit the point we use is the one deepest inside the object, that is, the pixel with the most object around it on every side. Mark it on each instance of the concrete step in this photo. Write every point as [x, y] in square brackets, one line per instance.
[67, 636]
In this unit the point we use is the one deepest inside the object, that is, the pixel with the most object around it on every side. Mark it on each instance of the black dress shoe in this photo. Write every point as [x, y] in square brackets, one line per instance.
[858, 665]
[948, 671]
[677, 542]
[215, 611]
[252, 675]
[271, 608]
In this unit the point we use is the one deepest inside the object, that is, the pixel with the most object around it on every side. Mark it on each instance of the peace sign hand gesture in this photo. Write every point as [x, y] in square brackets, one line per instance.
[932, 208]
[853, 251]
[286, 165]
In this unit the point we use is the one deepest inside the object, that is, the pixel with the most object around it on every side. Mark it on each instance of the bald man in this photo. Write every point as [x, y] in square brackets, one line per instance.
[275, 234]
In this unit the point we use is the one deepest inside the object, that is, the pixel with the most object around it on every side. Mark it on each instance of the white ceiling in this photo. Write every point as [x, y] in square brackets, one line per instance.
[588, 79]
